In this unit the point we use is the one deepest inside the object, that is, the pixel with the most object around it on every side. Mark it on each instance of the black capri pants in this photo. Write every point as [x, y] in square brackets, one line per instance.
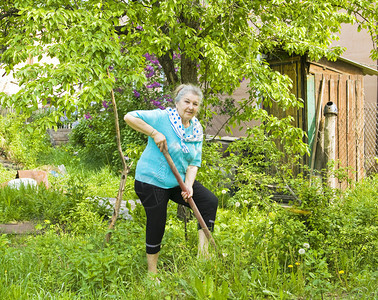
[155, 201]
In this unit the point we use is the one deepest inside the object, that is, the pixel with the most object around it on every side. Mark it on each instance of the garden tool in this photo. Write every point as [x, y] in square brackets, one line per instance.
[190, 200]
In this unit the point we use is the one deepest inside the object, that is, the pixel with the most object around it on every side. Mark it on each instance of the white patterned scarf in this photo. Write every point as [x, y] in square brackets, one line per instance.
[178, 128]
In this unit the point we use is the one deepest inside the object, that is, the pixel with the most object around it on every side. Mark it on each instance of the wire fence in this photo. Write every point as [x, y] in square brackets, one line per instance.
[371, 138]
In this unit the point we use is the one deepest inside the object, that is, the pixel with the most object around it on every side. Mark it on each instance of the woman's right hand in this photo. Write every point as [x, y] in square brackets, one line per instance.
[160, 140]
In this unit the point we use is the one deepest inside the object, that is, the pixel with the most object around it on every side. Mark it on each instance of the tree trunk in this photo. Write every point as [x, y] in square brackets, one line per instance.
[167, 63]
[189, 72]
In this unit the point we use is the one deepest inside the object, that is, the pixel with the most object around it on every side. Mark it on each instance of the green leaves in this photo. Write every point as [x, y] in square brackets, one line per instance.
[208, 289]
[71, 50]
[73, 43]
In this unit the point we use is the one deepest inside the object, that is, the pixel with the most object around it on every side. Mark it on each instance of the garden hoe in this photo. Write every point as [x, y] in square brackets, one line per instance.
[190, 200]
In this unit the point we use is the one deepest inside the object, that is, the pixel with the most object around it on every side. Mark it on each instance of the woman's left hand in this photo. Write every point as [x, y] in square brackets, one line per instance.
[188, 194]
[190, 176]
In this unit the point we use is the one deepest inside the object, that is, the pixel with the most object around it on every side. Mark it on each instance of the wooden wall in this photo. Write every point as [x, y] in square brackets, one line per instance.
[294, 68]
[343, 85]
[346, 92]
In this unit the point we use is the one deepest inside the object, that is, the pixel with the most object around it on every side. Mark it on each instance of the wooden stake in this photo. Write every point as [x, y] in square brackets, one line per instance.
[125, 170]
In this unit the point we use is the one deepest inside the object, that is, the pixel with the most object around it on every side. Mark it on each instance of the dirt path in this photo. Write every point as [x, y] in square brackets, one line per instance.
[18, 228]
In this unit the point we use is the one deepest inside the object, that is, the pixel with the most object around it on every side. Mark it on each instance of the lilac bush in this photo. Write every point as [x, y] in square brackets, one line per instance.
[155, 92]
[95, 133]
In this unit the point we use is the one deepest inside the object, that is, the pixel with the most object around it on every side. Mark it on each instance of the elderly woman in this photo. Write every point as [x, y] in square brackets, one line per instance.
[178, 131]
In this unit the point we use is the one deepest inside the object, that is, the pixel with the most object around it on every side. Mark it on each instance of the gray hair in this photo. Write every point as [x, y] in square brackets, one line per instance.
[184, 89]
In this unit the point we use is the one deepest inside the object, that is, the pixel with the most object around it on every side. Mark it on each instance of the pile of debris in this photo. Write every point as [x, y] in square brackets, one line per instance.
[34, 177]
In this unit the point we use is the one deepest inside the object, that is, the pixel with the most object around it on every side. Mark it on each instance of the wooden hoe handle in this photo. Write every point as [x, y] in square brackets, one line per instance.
[190, 200]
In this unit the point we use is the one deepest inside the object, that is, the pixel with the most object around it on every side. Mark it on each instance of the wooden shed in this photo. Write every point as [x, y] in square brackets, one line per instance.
[321, 82]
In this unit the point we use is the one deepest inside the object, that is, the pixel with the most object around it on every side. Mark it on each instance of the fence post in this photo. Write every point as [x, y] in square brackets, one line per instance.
[330, 114]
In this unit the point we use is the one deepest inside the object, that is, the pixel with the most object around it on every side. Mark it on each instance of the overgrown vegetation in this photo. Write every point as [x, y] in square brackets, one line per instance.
[20, 145]
[265, 251]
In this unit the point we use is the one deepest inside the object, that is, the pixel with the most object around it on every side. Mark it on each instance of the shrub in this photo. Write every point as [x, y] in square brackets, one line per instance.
[22, 143]
[95, 137]
[84, 218]
[259, 168]
[6, 174]
[358, 212]
[215, 172]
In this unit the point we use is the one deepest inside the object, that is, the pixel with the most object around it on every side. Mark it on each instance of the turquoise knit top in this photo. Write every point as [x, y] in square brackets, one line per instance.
[152, 166]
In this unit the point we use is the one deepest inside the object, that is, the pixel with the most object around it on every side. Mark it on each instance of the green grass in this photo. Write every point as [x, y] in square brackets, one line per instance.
[257, 257]
[247, 265]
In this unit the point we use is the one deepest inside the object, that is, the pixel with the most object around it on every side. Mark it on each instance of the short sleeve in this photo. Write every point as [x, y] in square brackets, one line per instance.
[198, 155]
[151, 117]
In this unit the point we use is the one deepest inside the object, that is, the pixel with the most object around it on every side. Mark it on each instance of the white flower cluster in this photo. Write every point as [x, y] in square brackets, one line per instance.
[303, 251]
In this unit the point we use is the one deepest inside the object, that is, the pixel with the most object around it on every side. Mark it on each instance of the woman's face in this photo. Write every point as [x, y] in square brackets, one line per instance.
[187, 107]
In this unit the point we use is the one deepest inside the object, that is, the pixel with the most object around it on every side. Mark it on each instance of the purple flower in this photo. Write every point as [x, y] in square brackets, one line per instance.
[176, 69]
[88, 116]
[156, 103]
[149, 71]
[149, 68]
[139, 27]
[155, 62]
[119, 90]
[176, 55]
[136, 93]
[111, 68]
[150, 74]
[149, 56]
[161, 107]
[167, 98]
[153, 85]
[105, 104]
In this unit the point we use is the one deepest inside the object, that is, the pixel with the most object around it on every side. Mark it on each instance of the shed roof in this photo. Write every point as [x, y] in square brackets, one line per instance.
[365, 69]
[340, 65]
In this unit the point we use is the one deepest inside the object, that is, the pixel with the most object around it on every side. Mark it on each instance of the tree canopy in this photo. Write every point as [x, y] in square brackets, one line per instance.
[213, 43]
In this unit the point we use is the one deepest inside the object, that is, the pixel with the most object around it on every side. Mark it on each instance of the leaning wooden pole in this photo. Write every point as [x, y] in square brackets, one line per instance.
[193, 206]
[318, 117]
[125, 171]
